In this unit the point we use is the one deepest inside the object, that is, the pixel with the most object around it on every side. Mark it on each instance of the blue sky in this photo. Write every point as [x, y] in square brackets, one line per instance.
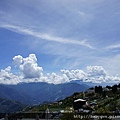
[62, 34]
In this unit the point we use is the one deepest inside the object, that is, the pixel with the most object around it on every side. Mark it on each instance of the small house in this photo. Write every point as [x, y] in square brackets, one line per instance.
[78, 103]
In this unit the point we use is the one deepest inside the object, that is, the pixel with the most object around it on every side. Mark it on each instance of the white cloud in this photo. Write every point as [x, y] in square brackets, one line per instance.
[8, 69]
[97, 74]
[6, 77]
[28, 66]
[6, 72]
[17, 60]
[74, 74]
[96, 71]
[56, 79]
[116, 46]
[31, 72]
[81, 13]
[46, 36]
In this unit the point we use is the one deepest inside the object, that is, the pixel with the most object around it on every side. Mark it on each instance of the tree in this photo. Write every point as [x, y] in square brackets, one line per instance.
[109, 87]
[114, 88]
[104, 94]
[98, 89]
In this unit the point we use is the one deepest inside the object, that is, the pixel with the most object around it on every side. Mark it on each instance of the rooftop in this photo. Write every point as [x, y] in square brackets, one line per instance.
[79, 100]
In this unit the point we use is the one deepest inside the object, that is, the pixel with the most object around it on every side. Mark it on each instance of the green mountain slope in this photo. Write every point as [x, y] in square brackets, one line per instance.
[10, 106]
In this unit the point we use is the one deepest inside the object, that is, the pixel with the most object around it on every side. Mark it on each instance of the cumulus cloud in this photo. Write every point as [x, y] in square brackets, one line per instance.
[94, 74]
[6, 77]
[74, 74]
[96, 71]
[32, 72]
[57, 79]
[28, 66]
[17, 60]
[97, 74]
[6, 72]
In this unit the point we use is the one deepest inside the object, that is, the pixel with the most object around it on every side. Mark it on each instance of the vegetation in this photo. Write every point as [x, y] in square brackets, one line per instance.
[10, 106]
[107, 100]
[100, 101]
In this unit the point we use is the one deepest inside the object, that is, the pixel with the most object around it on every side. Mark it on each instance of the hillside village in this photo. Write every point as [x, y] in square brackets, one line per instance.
[96, 100]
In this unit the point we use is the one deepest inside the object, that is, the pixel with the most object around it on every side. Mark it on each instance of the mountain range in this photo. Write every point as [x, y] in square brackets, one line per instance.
[10, 106]
[38, 92]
